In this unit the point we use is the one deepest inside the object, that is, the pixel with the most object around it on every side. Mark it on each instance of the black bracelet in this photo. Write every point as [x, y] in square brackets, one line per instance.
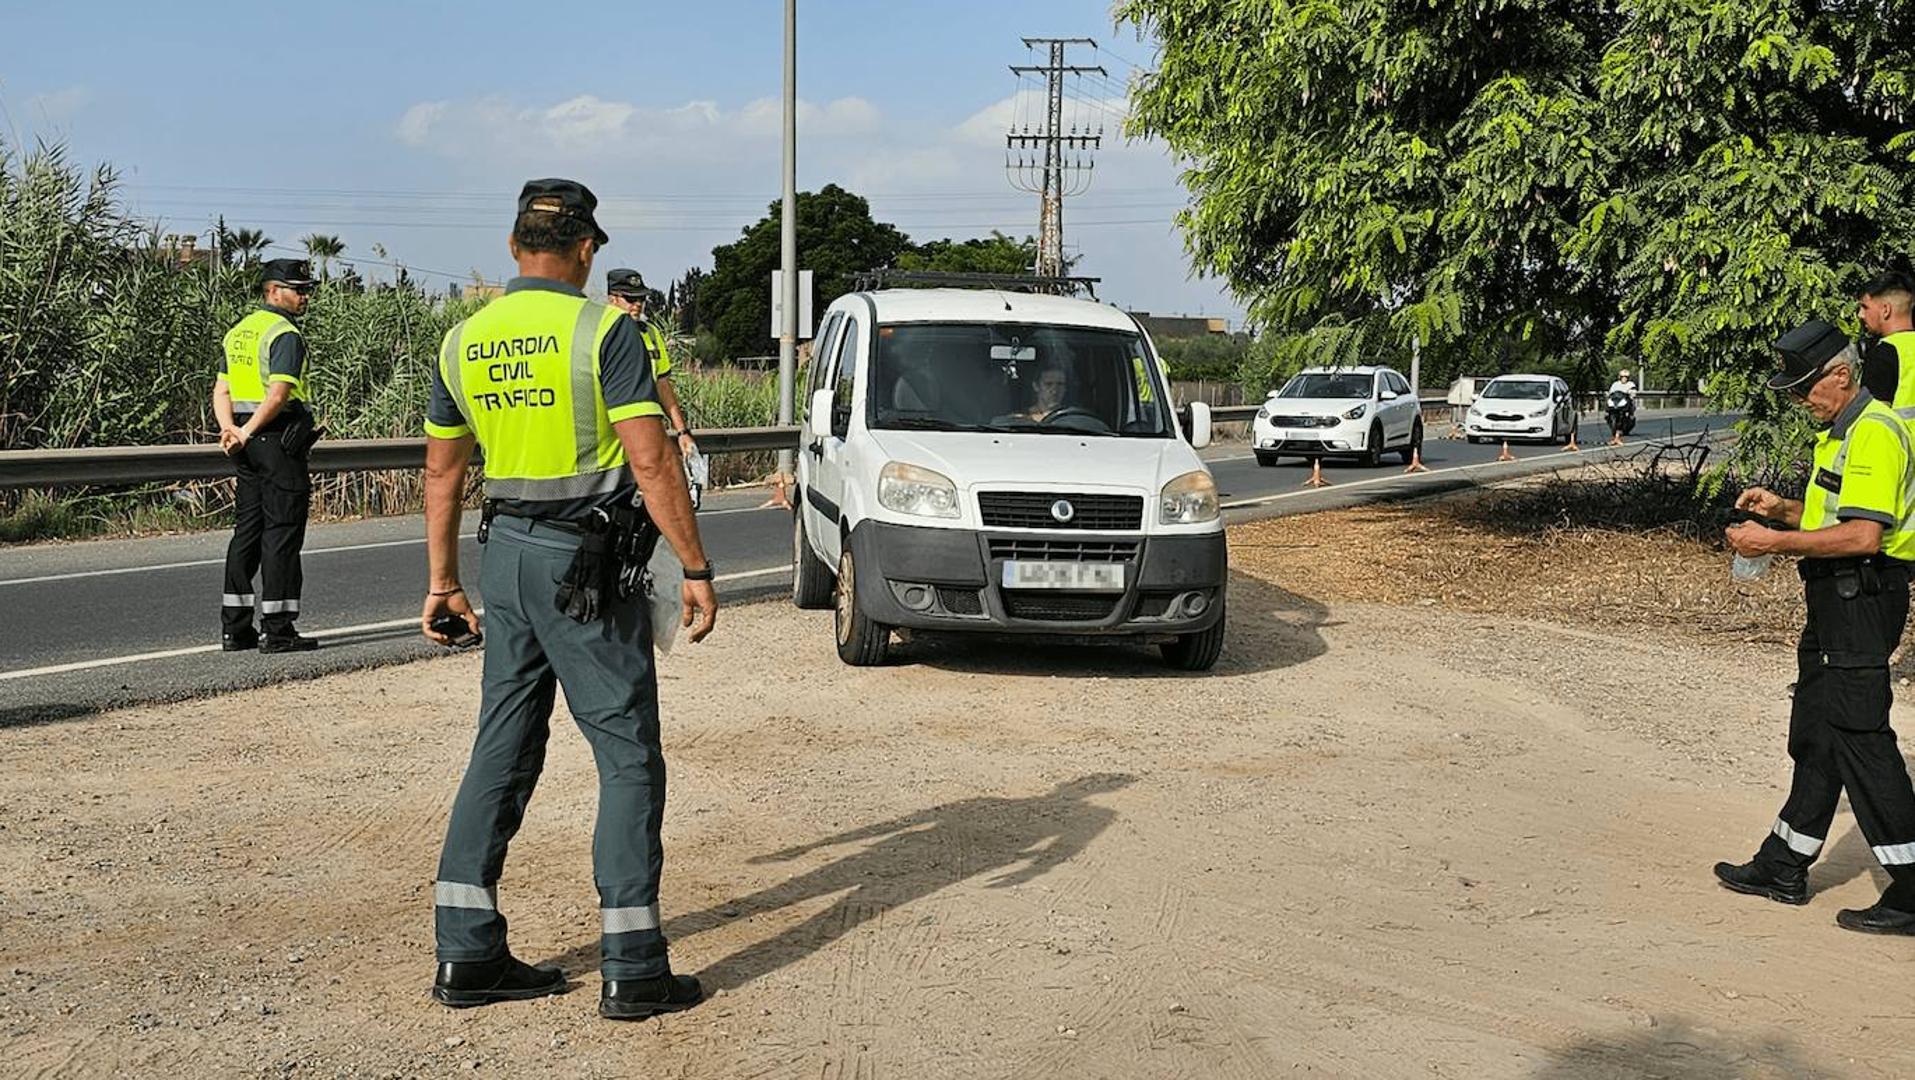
[449, 592]
[699, 575]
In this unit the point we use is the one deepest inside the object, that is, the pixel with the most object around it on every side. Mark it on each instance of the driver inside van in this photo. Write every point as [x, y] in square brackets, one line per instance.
[1047, 392]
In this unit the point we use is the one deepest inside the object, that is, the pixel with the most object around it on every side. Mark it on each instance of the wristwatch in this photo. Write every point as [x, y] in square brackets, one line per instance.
[702, 574]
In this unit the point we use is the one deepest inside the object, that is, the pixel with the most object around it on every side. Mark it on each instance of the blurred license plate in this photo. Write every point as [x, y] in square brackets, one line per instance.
[1088, 577]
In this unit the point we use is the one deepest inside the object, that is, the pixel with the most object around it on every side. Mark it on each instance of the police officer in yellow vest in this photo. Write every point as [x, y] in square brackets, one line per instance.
[1886, 308]
[558, 392]
[1854, 531]
[626, 291]
[265, 424]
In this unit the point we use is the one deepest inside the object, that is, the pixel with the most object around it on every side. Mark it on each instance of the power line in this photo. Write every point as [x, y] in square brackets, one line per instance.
[1066, 163]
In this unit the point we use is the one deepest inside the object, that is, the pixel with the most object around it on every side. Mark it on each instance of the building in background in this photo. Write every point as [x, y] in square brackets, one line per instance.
[1164, 327]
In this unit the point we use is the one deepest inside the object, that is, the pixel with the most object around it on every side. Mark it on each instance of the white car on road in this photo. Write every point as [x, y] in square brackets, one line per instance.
[1359, 412]
[1522, 407]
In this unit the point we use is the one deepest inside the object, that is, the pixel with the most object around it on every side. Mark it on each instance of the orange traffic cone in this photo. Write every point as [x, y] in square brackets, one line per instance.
[1416, 462]
[780, 496]
[1616, 438]
[1506, 455]
[1316, 474]
[1570, 447]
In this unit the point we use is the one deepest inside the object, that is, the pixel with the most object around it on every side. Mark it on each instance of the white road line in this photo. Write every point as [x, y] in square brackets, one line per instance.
[1347, 484]
[310, 551]
[205, 562]
[338, 631]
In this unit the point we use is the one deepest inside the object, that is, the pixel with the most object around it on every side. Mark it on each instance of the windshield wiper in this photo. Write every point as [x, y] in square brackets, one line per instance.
[929, 423]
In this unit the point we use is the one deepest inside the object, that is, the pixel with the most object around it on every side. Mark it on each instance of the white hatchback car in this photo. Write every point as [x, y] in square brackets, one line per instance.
[1522, 407]
[1354, 411]
[999, 462]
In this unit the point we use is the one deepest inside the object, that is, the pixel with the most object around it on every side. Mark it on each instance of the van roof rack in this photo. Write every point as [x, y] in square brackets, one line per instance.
[1028, 283]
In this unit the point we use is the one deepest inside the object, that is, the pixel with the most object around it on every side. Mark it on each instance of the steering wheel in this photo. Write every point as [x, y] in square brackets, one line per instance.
[1075, 412]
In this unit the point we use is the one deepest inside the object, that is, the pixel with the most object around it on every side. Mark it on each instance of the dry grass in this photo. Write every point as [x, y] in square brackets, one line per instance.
[1480, 553]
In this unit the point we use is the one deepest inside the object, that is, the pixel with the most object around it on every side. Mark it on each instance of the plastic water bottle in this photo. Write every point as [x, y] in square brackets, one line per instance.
[1747, 569]
[664, 578]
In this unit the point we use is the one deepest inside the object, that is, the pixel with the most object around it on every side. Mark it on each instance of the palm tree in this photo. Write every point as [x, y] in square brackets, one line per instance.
[323, 250]
[247, 244]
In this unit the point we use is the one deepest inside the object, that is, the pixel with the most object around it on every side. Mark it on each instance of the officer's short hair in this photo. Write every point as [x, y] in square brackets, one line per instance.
[537, 230]
[1892, 286]
[1849, 360]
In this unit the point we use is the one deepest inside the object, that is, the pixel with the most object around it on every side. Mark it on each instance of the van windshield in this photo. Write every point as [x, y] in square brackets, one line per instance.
[1046, 380]
[1317, 384]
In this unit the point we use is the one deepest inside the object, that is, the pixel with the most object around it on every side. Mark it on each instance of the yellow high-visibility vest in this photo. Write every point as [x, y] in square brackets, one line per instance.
[524, 372]
[249, 347]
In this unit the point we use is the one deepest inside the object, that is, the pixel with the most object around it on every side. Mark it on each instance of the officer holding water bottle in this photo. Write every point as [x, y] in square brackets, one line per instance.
[1852, 532]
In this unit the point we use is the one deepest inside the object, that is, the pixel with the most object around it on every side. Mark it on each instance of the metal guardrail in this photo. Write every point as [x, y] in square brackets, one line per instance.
[116, 465]
[107, 466]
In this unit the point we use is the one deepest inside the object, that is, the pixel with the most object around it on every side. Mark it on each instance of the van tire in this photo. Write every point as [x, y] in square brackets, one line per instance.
[861, 641]
[811, 584]
[1198, 651]
[1266, 460]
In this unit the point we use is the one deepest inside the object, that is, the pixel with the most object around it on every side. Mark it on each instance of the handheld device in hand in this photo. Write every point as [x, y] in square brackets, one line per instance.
[455, 628]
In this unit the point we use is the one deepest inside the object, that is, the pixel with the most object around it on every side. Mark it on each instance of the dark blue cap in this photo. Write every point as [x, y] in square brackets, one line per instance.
[566, 198]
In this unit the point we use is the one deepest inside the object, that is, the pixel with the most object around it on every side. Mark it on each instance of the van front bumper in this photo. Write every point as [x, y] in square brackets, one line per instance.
[920, 578]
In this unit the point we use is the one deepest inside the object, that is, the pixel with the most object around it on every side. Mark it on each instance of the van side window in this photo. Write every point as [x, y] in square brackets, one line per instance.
[1399, 384]
[821, 353]
[847, 365]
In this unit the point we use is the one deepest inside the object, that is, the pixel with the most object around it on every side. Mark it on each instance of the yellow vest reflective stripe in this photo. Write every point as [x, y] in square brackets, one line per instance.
[249, 347]
[1820, 509]
[1904, 345]
[524, 373]
[655, 350]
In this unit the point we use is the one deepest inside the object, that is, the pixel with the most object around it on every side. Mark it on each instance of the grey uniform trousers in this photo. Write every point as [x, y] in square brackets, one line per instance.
[605, 668]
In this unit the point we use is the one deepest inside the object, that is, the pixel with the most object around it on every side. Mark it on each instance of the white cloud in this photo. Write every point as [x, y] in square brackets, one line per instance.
[589, 128]
[59, 108]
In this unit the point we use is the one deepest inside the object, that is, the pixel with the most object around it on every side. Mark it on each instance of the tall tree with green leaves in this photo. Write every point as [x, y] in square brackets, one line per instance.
[1580, 183]
[837, 239]
[995, 254]
[246, 244]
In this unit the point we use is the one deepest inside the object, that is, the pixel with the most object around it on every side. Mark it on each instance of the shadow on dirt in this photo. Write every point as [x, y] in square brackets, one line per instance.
[897, 862]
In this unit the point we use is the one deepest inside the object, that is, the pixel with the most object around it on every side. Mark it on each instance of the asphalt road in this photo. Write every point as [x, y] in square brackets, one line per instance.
[95, 625]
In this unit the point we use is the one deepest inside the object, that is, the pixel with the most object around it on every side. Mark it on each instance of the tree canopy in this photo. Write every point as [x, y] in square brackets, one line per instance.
[1592, 183]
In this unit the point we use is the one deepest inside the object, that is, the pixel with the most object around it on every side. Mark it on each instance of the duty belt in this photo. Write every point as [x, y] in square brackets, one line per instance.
[1883, 565]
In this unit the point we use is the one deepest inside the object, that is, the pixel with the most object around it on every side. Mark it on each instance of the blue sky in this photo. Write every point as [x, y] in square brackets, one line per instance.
[412, 125]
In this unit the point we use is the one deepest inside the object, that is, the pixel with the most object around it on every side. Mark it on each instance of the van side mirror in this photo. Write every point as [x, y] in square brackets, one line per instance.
[1389, 395]
[1199, 425]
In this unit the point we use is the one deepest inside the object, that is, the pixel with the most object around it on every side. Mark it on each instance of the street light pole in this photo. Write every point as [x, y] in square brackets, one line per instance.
[788, 242]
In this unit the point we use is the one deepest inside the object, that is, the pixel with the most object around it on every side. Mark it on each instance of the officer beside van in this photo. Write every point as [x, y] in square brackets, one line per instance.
[559, 393]
[1854, 531]
[626, 290]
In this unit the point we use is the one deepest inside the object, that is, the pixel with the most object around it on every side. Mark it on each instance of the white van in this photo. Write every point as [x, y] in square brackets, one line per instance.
[1011, 463]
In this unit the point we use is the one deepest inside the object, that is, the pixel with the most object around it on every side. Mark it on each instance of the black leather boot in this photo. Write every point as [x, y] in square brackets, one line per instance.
[636, 999]
[1876, 919]
[294, 642]
[463, 985]
[239, 641]
[1781, 885]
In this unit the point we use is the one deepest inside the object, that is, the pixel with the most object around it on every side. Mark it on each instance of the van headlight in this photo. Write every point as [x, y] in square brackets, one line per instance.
[1263, 413]
[911, 489]
[1357, 413]
[1191, 499]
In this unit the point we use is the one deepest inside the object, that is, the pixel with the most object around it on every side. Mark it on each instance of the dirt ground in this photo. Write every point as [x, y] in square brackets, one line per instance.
[1387, 837]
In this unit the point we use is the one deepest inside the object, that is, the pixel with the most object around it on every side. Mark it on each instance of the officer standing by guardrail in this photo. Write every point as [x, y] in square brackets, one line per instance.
[626, 290]
[260, 399]
[559, 393]
[1855, 534]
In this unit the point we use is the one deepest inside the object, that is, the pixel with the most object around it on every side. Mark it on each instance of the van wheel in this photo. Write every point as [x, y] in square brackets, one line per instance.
[861, 642]
[810, 578]
[1266, 460]
[1198, 651]
[1416, 443]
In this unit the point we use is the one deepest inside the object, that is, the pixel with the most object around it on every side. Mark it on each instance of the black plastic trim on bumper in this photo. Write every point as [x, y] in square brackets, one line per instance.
[959, 558]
